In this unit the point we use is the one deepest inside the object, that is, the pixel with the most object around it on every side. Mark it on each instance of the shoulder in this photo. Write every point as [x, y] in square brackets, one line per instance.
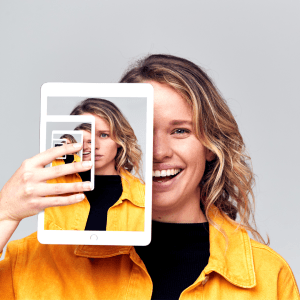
[32, 238]
[17, 250]
[29, 251]
[131, 179]
[265, 254]
[270, 266]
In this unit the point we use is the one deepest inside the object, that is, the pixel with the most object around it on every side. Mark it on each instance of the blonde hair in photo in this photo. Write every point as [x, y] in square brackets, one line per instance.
[129, 154]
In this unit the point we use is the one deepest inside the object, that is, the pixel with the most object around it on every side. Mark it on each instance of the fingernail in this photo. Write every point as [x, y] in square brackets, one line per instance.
[87, 185]
[86, 164]
[79, 197]
[77, 145]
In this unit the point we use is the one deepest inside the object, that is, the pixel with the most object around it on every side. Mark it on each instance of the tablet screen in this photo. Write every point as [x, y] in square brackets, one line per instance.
[118, 210]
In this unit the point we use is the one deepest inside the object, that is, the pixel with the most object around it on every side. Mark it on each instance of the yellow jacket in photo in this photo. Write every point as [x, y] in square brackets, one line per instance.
[127, 214]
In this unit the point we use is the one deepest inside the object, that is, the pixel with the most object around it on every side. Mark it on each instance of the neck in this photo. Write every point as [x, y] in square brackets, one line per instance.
[184, 210]
[187, 214]
[101, 171]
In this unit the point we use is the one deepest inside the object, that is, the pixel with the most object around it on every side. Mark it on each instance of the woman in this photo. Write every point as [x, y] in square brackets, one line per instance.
[200, 173]
[117, 202]
[86, 131]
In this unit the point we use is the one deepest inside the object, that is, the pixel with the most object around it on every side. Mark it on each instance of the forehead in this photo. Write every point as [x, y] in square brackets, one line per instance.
[169, 104]
[100, 123]
[86, 134]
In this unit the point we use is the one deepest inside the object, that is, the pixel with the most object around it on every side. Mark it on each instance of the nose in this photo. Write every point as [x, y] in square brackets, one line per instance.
[162, 149]
[97, 144]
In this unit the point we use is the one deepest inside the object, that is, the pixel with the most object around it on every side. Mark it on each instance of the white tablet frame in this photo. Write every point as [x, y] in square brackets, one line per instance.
[103, 90]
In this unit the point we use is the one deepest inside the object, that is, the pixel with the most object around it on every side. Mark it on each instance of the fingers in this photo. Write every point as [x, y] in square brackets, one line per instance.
[61, 170]
[46, 157]
[47, 189]
[58, 201]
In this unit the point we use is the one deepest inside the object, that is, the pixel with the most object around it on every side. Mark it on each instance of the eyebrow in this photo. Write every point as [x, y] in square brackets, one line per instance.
[103, 131]
[180, 122]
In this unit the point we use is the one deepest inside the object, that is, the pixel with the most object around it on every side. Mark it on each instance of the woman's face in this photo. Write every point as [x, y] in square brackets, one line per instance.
[178, 159]
[86, 152]
[105, 147]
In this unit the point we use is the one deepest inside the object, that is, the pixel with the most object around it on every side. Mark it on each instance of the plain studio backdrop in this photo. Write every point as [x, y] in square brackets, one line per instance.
[249, 48]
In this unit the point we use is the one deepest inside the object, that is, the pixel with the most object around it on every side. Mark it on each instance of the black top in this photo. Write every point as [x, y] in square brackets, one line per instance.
[175, 257]
[107, 191]
[69, 159]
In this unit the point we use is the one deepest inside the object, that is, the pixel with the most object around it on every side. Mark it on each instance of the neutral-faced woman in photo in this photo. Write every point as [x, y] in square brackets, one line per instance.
[117, 202]
[202, 199]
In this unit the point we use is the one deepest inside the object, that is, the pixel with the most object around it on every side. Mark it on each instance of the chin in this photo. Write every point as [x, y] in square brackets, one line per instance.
[165, 201]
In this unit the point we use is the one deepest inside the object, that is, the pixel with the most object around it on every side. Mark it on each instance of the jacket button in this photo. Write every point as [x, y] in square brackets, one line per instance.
[205, 279]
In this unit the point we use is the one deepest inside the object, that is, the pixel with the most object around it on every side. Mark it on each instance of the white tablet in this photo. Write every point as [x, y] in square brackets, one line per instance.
[118, 210]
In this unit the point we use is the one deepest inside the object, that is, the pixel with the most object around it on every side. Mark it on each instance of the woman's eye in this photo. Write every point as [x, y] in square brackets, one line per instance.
[181, 131]
[104, 135]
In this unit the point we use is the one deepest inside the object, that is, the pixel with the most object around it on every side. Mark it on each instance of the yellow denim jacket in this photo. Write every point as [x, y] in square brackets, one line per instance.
[127, 214]
[244, 269]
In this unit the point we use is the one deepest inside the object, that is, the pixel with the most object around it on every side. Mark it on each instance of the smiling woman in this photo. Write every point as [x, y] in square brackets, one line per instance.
[201, 172]
[86, 131]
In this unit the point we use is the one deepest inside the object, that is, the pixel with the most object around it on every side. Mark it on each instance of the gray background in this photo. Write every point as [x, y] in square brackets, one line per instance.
[250, 48]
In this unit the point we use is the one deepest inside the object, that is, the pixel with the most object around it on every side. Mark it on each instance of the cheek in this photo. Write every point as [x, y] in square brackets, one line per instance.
[194, 157]
[112, 148]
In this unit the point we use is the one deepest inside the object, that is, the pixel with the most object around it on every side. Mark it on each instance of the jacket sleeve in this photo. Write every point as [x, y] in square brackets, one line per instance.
[6, 273]
[287, 286]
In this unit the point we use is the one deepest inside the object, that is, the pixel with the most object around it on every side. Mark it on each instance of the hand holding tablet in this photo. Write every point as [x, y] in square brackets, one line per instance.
[25, 192]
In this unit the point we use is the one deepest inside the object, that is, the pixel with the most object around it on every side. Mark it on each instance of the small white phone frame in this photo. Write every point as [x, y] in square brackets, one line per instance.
[58, 141]
[102, 90]
[71, 132]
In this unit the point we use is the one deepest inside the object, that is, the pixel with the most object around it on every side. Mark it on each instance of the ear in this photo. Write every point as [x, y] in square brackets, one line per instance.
[209, 155]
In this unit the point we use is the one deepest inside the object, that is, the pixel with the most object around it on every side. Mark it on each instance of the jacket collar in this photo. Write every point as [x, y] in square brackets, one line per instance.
[230, 251]
[231, 257]
[132, 190]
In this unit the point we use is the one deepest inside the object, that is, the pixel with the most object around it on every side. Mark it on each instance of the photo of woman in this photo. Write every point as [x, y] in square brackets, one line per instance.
[117, 202]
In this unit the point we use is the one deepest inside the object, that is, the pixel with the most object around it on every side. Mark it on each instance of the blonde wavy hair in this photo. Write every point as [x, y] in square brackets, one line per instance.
[228, 179]
[69, 137]
[129, 154]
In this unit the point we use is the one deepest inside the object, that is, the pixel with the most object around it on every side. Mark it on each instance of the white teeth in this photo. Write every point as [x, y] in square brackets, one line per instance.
[164, 173]
[156, 174]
